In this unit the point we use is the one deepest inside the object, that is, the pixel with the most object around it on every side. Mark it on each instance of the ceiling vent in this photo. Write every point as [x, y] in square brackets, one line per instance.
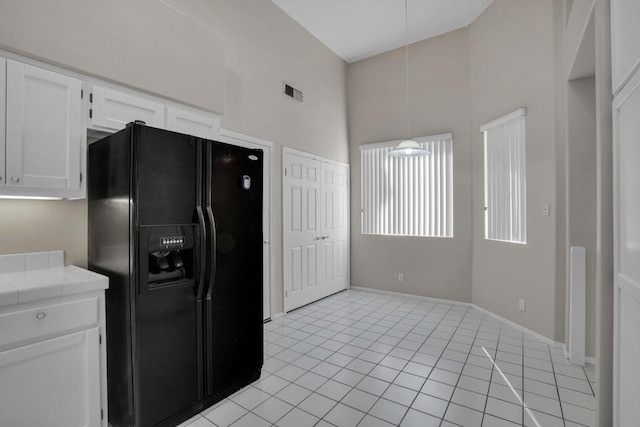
[292, 92]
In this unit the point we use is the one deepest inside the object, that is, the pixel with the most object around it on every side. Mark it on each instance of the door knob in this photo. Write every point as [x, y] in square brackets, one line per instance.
[318, 238]
[266, 242]
[15, 179]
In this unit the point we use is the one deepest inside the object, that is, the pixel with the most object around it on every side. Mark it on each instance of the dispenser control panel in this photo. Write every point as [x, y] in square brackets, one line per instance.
[172, 241]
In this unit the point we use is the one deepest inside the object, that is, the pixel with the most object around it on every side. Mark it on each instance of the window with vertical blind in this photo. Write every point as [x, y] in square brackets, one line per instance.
[410, 196]
[505, 178]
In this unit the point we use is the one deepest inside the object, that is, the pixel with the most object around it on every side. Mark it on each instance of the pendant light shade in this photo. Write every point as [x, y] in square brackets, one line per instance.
[408, 148]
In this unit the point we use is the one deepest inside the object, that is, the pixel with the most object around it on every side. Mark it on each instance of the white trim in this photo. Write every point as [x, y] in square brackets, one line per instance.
[393, 143]
[311, 156]
[503, 119]
[587, 360]
[468, 304]
[520, 327]
[248, 138]
[402, 294]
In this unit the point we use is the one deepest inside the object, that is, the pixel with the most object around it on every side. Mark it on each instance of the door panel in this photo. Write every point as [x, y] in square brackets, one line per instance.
[627, 253]
[43, 128]
[336, 232]
[301, 236]
[315, 229]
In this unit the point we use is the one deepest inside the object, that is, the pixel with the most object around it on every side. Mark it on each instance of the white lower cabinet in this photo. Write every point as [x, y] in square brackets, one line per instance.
[52, 364]
[53, 383]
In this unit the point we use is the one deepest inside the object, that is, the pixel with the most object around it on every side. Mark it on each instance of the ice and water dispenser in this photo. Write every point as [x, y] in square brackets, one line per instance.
[167, 256]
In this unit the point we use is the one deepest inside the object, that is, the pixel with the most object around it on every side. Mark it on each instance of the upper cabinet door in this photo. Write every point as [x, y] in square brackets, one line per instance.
[43, 129]
[112, 110]
[192, 123]
[625, 33]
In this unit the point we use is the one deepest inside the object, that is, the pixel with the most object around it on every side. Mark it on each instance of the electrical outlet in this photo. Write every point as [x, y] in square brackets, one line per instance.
[400, 277]
[521, 304]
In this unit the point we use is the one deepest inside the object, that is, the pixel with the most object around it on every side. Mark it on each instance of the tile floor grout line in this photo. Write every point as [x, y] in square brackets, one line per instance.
[405, 324]
[400, 371]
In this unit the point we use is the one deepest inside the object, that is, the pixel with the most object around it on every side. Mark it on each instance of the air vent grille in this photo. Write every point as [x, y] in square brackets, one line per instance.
[292, 92]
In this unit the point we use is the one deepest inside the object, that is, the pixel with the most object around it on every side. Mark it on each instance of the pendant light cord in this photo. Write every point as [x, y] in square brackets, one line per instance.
[406, 55]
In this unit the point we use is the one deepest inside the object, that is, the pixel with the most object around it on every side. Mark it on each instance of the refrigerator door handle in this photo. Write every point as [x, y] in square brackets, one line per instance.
[203, 253]
[212, 245]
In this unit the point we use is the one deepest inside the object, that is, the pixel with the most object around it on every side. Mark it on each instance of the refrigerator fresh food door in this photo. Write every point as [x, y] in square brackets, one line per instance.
[233, 301]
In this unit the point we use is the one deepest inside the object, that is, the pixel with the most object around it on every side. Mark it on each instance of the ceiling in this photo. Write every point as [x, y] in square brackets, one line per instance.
[357, 29]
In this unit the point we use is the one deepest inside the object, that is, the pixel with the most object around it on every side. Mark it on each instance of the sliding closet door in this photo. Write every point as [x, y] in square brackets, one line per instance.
[315, 229]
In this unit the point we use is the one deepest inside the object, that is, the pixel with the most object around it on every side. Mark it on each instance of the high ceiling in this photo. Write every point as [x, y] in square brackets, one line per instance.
[357, 29]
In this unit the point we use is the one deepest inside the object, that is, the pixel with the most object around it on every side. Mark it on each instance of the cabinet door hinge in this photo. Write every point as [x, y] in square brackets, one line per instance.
[91, 97]
[101, 414]
[285, 171]
[91, 113]
[80, 176]
[286, 294]
[100, 339]
[81, 93]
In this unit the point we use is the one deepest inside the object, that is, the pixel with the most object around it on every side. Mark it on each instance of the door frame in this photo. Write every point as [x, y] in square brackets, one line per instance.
[289, 150]
[247, 141]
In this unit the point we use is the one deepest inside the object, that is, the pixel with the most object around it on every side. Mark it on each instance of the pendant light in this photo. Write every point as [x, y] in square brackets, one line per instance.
[408, 147]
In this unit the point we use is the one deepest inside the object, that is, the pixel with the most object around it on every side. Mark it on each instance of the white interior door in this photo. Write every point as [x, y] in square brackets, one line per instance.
[315, 229]
[301, 230]
[627, 254]
[335, 231]
[235, 138]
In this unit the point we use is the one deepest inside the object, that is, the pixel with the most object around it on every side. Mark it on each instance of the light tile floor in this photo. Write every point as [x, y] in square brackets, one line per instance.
[362, 358]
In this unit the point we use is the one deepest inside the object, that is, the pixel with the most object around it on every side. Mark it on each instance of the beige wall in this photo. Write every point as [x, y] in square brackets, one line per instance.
[512, 66]
[581, 188]
[509, 57]
[224, 56]
[440, 99]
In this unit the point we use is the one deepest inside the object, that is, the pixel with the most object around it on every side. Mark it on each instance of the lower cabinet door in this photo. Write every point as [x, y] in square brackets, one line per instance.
[54, 383]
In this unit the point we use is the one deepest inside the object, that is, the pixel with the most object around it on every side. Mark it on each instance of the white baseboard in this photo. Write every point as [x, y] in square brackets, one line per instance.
[401, 294]
[514, 325]
[587, 360]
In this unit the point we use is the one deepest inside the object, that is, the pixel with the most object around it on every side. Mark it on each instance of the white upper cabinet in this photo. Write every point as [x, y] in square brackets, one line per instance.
[193, 123]
[112, 110]
[625, 33]
[44, 147]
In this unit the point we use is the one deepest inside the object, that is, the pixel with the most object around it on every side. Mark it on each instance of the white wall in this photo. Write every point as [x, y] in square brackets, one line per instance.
[220, 55]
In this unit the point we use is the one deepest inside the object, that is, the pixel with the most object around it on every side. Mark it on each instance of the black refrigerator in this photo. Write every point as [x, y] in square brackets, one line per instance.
[175, 222]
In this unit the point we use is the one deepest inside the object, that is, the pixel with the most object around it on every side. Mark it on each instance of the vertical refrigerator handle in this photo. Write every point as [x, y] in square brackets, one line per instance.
[203, 253]
[212, 246]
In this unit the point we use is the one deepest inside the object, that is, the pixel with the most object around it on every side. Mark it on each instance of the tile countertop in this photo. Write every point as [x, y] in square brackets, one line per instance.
[20, 284]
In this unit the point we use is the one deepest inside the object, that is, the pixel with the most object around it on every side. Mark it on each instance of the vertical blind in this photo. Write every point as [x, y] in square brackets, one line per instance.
[505, 178]
[410, 196]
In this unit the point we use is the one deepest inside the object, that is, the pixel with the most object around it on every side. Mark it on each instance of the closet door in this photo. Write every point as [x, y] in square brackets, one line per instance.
[301, 230]
[315, 229]
[335, 230]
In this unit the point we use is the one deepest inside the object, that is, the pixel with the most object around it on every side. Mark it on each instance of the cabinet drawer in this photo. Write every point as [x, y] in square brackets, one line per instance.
[47, 319]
